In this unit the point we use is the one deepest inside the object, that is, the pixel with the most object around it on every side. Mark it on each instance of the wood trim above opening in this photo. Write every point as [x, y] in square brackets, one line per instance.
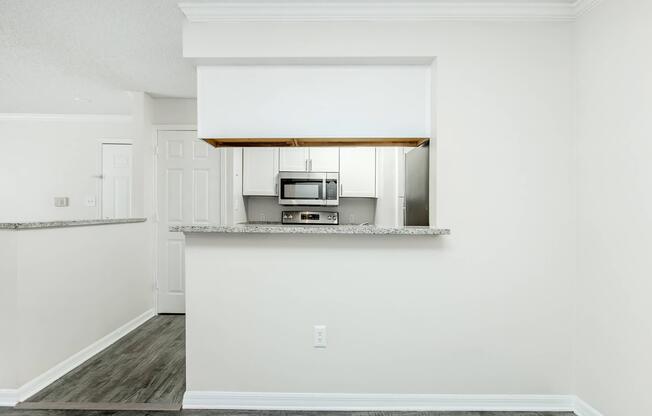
[317, 141]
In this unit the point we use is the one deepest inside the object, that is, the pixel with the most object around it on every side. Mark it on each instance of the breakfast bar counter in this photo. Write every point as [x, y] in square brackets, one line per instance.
[278, 228]
[32, 225]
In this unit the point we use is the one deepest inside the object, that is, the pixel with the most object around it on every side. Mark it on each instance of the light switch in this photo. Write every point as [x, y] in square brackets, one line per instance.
[61, 201]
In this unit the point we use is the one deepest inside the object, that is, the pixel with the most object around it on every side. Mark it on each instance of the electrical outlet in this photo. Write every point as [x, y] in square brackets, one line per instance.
[61, 201]
[91, 201]
[319, 336]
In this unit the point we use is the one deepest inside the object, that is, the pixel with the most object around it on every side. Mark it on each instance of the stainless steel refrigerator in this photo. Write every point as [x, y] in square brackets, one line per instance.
[417, 198]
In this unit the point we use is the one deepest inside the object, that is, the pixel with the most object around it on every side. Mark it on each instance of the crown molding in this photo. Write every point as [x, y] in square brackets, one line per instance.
[115, 118]
[283, 11]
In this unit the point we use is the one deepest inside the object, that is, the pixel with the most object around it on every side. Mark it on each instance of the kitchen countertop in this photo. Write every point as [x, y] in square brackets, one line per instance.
[278, 228]
[63, 224]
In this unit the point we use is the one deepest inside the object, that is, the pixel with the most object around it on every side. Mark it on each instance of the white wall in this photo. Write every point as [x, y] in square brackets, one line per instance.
[76, 285]
[613, 343]
[70, 286]
[42, 159]
[487, 309]
[61, 156]
[174, 111]
[8, 277]
[313, 101]
[64, 289]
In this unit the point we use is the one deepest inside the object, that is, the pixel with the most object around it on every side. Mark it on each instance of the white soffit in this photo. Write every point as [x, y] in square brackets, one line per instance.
[304, 11]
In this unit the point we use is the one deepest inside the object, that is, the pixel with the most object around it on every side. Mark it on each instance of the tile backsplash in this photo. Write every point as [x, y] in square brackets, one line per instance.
[351, 210]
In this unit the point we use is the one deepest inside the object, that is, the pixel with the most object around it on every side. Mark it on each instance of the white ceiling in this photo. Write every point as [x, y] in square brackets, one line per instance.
[55, 51]
[81, 56]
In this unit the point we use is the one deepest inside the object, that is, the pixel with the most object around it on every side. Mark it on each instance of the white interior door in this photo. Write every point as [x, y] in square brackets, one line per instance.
[116, 180]
[188, 193]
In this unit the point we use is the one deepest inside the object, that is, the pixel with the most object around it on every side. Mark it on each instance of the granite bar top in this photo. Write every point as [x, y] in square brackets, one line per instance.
[276, 228]
[63, 224]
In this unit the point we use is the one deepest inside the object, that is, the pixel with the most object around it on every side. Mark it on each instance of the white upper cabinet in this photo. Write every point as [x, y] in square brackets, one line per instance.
[358, 172]
[324, 159]
[294, 159]
[296, 101]
[259, 171]
[356, 165]
[309, 159]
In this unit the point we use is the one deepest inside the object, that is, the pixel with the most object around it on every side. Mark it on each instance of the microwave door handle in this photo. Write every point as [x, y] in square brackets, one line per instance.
[324, 195]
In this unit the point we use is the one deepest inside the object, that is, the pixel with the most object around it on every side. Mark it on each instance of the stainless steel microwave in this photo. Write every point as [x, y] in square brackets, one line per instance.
[308, 188]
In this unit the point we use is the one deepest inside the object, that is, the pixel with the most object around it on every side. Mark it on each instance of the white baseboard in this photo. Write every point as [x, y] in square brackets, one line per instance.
[368, 402]
[8, 397]
[582, 408]
[37, 384]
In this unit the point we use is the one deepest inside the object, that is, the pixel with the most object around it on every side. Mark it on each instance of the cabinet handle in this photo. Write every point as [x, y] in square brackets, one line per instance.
[307, 169]
[341, 187]
[311, 165]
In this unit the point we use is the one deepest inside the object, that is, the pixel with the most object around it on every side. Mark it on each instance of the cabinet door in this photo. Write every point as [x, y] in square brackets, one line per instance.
[324, 159]
[294, 159]
[259, 171]
[358, 172]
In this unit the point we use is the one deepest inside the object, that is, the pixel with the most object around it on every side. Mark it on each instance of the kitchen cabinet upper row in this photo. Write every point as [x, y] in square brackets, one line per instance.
[309, 159]
[356, 165]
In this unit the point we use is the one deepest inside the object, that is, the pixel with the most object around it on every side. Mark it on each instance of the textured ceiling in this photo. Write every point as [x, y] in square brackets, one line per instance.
[52, 52]
[81, 56]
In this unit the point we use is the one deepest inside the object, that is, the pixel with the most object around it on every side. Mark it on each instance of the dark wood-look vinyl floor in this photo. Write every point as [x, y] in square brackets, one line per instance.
[147, 366]
[16, 412]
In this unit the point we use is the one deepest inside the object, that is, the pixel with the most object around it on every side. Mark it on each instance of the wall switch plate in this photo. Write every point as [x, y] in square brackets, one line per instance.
[91, 201]
[61, 201]
[319, 336]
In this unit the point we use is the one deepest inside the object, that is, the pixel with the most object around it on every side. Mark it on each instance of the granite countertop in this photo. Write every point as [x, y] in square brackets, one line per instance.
[277, 228]
[63, 224]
